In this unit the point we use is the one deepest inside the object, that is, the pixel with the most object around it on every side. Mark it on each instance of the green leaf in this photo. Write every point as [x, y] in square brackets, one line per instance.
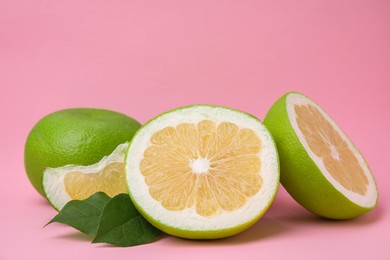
[122, 225]
[83, 215]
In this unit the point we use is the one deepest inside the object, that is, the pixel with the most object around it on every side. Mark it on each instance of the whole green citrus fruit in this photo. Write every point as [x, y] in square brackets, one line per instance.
[80, 136]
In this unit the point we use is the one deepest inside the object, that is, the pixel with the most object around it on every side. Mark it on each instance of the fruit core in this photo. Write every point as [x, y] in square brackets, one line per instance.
[200, 165]
[212, 167]
[326, 143]
[110, 180]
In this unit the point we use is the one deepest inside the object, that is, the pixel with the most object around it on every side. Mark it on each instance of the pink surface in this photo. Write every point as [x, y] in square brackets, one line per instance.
[143, 57]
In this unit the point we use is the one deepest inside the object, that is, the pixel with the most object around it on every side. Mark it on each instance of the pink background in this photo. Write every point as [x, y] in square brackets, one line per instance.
[145, 57]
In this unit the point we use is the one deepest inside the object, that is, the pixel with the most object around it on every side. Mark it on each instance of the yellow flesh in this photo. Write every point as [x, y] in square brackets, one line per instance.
[109, 180]
[229, 171]
[325, 142]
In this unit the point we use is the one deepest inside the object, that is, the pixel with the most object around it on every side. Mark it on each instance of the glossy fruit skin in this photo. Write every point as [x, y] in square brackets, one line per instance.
[79, 136]
[300, 176]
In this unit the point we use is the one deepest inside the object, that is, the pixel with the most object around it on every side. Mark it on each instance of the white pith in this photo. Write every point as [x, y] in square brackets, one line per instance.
[188, 219]
[201, 165]
[53, 178]
[334, 153]
[366, 200]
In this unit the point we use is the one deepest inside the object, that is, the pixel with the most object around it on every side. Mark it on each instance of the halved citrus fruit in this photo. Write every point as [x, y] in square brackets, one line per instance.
[320, 167]
[77, 182]
[202, 171]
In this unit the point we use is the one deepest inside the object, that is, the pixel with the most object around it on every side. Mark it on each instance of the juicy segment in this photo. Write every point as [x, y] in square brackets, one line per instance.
[325, 142]
[212, 167]
[81, 185]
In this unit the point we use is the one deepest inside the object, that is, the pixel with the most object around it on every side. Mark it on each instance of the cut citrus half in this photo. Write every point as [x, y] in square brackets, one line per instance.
[202, 171]
[75, 182]
[320, 167]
